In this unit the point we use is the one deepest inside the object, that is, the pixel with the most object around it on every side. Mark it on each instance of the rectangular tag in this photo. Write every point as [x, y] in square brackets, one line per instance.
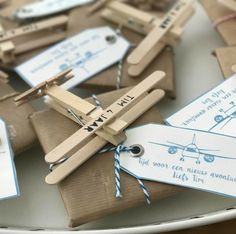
[185, 157]
[42, 8]
[88, 53]
[214, 111]
[8, 179]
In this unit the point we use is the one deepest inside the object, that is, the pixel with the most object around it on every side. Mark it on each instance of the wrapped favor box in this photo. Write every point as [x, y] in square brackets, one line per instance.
[89, 192]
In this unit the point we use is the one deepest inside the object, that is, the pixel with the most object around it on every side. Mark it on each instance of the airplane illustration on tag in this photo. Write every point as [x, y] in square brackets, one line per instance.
[191, 151]
[225, 116]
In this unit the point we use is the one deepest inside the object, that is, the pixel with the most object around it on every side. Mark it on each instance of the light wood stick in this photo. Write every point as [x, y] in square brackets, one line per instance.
[155, 36]
[34, 27]
[96, 144]
[121, 105]
[48, 39]
[131, 115]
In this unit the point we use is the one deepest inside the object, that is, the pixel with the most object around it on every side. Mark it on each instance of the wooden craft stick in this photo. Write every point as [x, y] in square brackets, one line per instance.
[141, 107]
[74, 142]
[231, 4]
[37, 43]
[96, 143]
[52, 30]
[34, 27]
[77, 159]
[155, 36]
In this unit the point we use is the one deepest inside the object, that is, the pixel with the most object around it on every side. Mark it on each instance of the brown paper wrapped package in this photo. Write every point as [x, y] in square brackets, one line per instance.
[226, 58]
[226, 29]
[88, 193]
[78, 21]
[21, 132]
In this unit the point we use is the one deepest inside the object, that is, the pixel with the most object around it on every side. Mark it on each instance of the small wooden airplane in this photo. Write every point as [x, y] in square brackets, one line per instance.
[231, 4]
[38, 34]
[98, 126]
[159, 32]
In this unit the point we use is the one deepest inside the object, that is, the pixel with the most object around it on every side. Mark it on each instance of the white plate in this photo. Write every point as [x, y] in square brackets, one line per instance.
[40, 206]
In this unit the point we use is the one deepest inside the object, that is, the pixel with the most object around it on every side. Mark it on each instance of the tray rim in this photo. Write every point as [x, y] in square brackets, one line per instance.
[175, 225]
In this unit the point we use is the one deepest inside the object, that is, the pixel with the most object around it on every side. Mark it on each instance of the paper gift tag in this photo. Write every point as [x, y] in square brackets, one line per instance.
[47, 7]
[184, 157]
[88, 53]
[215, 111]
[8, 180]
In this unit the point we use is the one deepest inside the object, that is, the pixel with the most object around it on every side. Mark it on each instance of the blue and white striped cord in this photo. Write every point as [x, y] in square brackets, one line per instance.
[97, 102]
[118, 150]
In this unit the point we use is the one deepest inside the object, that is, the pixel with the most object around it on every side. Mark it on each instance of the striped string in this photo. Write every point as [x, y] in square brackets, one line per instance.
[97, 102]
[224, 19]
[146, 193]
[118, 150]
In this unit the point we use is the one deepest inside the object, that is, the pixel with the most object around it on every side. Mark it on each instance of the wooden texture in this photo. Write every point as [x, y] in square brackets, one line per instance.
[73, 143]
[96, 143]
[88, 193]
[158, 31]
[78, 21]
[215, 11]
[51, 30]
[227, 59]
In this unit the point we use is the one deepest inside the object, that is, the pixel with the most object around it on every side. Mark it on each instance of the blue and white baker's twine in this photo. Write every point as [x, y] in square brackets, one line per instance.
[118, 150]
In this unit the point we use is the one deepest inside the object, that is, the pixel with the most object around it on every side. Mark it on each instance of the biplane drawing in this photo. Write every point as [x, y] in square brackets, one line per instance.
[191, 150]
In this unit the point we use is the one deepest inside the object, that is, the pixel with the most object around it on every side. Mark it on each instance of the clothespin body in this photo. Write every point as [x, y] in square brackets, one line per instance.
[98, 126]
[231, 4]
[31, 36]
[159, 32]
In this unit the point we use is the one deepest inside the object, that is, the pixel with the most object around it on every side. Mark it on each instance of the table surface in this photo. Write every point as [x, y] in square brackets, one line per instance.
[196, 72]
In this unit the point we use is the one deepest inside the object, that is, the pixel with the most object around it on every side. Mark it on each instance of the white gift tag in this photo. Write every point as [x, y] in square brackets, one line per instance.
[88, 53]
[8, 180]
[47, 7]
[184, 157]
[214, 111]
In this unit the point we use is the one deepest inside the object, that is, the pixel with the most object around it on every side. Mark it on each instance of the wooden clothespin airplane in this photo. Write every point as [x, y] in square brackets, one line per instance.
[31, 36]
[159, 32]
[98, 126]
[231, 4]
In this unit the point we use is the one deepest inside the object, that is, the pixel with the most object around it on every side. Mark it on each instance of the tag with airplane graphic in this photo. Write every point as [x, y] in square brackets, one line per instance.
[214, 111]
[87, 53]
[184, 157]
[8, 180]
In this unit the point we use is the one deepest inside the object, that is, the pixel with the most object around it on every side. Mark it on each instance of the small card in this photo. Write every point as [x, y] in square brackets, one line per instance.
[88, 53]
[8, 180]
[184, 157]
[214, 111]
[42, 8]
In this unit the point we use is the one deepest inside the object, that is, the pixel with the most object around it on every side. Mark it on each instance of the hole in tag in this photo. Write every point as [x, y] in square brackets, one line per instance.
[111, 39]
[137, 150]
